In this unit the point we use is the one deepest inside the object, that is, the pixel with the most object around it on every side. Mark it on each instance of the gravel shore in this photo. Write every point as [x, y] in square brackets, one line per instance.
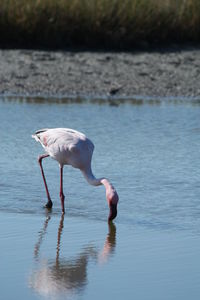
[48, 73]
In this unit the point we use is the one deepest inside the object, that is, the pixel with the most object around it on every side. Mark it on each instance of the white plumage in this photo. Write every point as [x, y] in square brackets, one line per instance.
[67, 146]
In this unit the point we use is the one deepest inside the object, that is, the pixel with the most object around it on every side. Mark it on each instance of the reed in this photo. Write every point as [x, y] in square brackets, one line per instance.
[98, 23]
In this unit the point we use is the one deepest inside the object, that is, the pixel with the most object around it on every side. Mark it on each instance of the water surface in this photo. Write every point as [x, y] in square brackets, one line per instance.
[150, 151]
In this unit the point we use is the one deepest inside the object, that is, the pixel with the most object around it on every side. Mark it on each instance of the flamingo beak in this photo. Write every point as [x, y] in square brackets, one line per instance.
[113, 212]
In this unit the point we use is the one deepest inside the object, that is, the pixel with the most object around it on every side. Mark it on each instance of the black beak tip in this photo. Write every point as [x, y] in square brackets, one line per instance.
[113, 212]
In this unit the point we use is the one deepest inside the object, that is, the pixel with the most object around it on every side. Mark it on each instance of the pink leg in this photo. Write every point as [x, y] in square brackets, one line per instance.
[49, 203]
[62, 197]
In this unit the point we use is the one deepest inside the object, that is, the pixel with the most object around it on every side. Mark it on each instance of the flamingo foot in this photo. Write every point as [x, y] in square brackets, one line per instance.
[49, 204]
[113, 212]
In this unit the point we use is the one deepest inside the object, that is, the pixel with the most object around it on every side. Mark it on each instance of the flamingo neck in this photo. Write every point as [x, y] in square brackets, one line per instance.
[91, 179]
[111, 193]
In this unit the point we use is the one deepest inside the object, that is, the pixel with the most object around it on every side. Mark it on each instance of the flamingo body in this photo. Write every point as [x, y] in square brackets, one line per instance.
[67, 146]
[71, 147]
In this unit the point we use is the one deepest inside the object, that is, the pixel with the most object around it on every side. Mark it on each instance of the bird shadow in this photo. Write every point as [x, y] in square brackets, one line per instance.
[67, 276]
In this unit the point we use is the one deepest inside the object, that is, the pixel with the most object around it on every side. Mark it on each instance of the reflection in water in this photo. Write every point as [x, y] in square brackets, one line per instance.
[67, 277]
[109, 245]
[41, 236]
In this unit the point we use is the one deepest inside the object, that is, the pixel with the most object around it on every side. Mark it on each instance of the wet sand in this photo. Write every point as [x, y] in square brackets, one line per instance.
[173, 73]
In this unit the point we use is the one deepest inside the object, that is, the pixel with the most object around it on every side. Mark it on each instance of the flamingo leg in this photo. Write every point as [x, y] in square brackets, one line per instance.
[62, 196]
[49, 202]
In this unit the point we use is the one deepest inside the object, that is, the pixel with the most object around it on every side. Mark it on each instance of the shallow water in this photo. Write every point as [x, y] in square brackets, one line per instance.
[151, 154]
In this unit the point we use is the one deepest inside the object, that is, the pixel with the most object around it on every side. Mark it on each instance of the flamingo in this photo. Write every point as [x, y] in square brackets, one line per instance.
[71, 147]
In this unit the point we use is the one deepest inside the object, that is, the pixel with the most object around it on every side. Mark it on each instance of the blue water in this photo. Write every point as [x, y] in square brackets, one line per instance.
[150, 151]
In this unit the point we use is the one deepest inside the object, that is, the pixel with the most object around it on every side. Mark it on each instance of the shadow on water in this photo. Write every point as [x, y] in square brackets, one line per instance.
[112, 100]
[67, 276]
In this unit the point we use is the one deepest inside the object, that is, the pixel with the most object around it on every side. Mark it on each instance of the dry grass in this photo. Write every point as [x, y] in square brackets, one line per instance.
[98, 23]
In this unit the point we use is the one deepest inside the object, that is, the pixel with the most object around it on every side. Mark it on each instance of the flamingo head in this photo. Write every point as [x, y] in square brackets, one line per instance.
[112, 199]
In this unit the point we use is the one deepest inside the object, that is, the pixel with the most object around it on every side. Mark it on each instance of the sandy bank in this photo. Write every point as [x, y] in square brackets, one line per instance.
[27, 72]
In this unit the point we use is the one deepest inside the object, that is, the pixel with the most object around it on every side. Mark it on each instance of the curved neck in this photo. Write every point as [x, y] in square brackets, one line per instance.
[91, 179]
[111, 194]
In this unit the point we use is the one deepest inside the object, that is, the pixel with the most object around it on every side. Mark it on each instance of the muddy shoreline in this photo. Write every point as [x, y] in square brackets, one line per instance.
[174, 73]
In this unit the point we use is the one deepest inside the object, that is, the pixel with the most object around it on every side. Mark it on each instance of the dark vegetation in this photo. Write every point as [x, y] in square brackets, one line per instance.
[99, 24]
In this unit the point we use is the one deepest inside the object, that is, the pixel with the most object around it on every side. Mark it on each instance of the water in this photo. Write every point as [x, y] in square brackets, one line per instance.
[150, 151]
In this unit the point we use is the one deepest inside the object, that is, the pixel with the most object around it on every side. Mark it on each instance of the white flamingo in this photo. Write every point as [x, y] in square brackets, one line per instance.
[70, 147]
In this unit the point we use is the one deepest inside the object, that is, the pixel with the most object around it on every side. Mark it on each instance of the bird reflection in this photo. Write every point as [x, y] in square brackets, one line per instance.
[61, 276]
[41, 236]
[109, 245]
